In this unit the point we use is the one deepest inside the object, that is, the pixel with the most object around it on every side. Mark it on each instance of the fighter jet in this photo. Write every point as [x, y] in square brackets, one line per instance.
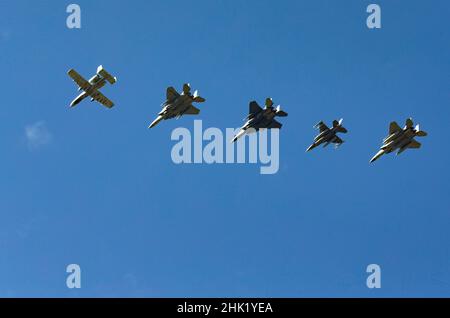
[261, 118]
[91, 88]
[401, 139]
[178, 105]
[327, 135]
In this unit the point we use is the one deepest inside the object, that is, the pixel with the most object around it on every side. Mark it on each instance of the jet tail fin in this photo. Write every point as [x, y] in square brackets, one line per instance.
[337, 123]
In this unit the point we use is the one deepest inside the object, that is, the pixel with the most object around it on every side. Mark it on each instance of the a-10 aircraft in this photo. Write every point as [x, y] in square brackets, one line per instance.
[328, 135]
[91, 88]
[261, 118]
[401, 139]
[177, 105]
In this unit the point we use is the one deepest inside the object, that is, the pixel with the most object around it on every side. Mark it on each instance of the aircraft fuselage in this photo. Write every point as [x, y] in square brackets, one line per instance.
[398, 140]
[327, 136]
[96, 82]
[177, 107]
[261, 120]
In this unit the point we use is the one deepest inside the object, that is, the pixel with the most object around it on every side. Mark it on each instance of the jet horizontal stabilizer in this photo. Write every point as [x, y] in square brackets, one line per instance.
[421, 133]
[103, 73]
[281, 113]
[199, 99]
[341, 129]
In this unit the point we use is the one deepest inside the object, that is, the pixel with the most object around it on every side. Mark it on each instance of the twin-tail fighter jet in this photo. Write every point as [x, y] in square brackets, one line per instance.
[91, 88]
[178, 105]
[328, 135]
[400, 139]
[261, 118]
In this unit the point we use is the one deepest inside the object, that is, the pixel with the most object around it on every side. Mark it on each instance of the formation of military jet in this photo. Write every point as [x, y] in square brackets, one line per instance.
[261, 118]
[177, 105]
[400, 139]
[328, 135]
[91, 88]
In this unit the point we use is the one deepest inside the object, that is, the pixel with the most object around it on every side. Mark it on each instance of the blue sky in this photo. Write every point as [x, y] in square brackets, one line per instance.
[102, 191]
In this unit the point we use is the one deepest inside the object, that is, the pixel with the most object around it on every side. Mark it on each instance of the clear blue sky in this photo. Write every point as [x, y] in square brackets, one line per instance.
[101, 190]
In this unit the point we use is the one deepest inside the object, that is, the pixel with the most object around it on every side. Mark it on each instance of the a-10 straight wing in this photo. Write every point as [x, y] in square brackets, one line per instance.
[92, 90]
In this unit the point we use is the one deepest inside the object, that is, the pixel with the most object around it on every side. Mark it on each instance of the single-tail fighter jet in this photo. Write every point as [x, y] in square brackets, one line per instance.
[328, 135]
[261, 118]
[178, 105]
[91, 88]
[401, 139]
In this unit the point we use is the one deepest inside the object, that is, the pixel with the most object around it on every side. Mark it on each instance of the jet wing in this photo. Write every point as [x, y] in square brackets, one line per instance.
[77, 78]
[322, 127]
[337, 140]
[394, 127]
[274, 124]
[102, 99]
[171, 94]
[414, 144]
[100, 85]
[254, 108]
[192, 111]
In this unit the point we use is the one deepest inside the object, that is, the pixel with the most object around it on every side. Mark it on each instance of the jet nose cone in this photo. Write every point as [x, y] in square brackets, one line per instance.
[155, 122]
[239, 135]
